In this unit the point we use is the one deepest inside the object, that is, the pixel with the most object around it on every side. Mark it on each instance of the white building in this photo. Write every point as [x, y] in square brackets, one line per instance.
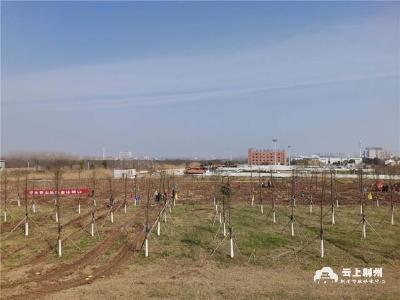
[390, 162]
[2, 164]
[125, 155]
[175, 172]
[376, 152]
[122, 173]
[336, 160]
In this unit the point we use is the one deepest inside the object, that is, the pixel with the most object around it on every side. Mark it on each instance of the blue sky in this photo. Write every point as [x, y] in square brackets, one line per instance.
[199, 78]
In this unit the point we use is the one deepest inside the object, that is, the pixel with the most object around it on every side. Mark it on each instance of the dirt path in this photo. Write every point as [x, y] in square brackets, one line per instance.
[71, 275]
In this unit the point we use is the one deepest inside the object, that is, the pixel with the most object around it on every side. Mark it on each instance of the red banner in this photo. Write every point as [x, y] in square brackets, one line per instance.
[62, 192]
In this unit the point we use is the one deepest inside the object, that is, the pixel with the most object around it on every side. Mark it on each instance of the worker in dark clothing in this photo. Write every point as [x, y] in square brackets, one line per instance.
[158, 197]
[111, 202]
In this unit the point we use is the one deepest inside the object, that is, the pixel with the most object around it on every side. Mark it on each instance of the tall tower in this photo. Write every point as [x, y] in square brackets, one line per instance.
[274, 141]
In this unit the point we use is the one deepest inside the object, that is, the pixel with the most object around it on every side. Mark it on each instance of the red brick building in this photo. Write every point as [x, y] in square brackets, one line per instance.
[266, 157]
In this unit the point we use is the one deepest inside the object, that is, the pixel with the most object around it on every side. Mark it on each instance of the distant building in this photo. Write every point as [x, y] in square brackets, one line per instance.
[175, 172]
[266, 157]
[122, 173]
[376, 152]
[195, 171]
[2, 164]
[125, 155]
[390, 162]
[339, 160]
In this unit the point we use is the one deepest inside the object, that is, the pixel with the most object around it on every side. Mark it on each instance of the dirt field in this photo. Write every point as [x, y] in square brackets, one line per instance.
[190, 258]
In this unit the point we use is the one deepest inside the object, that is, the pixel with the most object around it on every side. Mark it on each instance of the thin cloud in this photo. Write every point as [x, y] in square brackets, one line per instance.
[198, 96]
[323, 58]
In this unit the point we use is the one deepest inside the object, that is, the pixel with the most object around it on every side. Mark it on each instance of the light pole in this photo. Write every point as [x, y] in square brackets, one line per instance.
[289, 153]
[275, 140]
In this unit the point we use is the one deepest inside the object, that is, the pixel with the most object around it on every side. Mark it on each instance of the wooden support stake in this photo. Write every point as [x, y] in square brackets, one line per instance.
[79, 196]
[272, 198]
[321, 214]
[18, 195]
[5, 195]
[26, 206]
[125, 193]
[57, 188]
[33, 200]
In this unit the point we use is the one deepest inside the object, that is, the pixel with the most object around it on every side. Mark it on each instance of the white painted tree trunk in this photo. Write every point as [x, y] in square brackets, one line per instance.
[337, 203]
[273, 217]
[361, 209]
[18, 202]
[5, 216]
[392, 218]
[170, 209]
[165, 217]
[333, 216]
[213, 198]
[216, 208]
[220, 218]
[377, 202]
[56, 217]
[231, 252]
[310, 208]
[224, 229]
[292, 228]
[252, 201]
[364, 231]
[262, 209]
[112, 217]
[59, 248]
[26, 228]
[158, 228]
[34, 207]
[322, 248]
[79, 208]
[146, 248]
[125, 208]
[92, 229]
